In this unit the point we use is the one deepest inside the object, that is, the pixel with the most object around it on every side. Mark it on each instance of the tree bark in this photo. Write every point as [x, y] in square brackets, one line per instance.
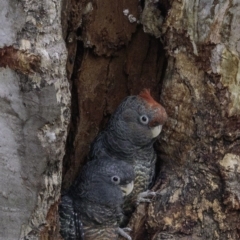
[114, 58]
[198, 194]
[186, 52]
[34, 116]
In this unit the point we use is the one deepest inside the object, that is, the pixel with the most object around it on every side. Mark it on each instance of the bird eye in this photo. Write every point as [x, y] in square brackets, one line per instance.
[144, 119]
[116, 179]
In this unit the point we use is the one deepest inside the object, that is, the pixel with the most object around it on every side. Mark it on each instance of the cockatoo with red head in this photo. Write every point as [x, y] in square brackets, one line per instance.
[130, 135]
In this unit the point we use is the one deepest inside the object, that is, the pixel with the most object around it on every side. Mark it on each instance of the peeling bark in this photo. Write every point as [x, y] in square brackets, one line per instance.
[19, 60]
[198, 197]
[110, 56]
[197, 192]
[121, 63]
[34, 116]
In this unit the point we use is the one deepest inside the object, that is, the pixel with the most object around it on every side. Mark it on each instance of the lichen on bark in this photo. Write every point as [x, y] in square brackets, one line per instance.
[35, 102]
[110, 57]
[197, 194]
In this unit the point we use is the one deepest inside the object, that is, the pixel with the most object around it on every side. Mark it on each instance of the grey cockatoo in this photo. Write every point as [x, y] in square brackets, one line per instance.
[91, 209]
[129, 135]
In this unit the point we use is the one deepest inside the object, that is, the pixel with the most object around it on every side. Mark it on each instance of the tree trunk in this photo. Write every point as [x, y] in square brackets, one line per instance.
[186, 52]
[114, 58]
[34, 116]
[198, 193]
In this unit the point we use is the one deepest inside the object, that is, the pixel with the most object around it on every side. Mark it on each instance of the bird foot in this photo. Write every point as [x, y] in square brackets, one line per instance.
[127, 229]
[144, 196]
[122, 232]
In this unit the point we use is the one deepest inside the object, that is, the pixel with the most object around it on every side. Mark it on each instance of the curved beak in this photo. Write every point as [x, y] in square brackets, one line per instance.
[156, 131]
[127, 189]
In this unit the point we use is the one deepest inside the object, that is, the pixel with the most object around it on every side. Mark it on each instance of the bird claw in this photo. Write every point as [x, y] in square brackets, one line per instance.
[144, 196]
[121, 232]
[127, 229]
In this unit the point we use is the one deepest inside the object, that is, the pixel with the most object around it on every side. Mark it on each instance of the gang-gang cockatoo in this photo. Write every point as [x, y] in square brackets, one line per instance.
[130, 135]
[91, 208]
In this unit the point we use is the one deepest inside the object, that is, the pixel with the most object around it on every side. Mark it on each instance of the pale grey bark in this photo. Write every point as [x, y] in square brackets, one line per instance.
[34, 115]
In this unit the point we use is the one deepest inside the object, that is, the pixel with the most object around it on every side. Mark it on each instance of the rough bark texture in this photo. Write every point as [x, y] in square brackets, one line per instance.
[34, 115]
[198, 194]
[115, 58]
[111, 55]
[197, 190]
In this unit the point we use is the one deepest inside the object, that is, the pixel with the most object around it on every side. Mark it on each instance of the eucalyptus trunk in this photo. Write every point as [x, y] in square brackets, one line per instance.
[186, 52]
